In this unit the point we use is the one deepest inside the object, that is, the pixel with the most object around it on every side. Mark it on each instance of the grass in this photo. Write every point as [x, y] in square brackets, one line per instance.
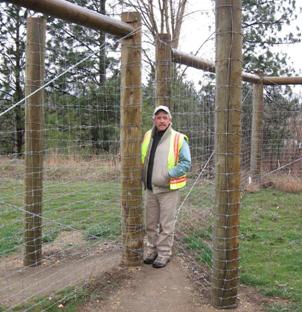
[90, 207]
[287, 183]
[195, 222]
[270, 245]
[71, 299]
[270, 230]
[203, 249]
[276, 307]
[67, 300]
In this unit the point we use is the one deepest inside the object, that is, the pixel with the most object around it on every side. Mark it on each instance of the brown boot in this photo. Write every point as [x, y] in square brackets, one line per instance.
[160, 262]
[150, 257]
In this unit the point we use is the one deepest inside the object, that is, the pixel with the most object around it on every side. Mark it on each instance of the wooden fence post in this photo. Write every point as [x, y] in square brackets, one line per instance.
[131, 136]
[225, 274]
[163, 62]
[257, 128]
[34, 120]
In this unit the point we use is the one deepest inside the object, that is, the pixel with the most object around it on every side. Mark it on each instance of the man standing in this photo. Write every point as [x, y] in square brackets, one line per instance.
[166, 160]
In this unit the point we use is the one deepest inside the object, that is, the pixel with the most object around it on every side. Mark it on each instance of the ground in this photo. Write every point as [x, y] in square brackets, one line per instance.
[179, 287]
[169, 289]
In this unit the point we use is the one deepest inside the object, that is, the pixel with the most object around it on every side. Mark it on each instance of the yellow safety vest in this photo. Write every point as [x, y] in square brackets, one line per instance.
[176, 141]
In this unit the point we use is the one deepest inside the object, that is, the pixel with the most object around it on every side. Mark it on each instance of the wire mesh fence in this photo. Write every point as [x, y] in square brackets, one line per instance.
[81, 217]
[264, 212]
[194, 114]
[280, 149]
[80, 206]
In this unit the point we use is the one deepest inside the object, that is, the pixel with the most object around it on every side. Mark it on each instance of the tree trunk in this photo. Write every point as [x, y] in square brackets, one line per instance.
[19, 111]
[102, 52]
[98, 118]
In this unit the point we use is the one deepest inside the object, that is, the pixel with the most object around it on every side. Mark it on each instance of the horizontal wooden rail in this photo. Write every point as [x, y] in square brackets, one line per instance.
[199, 63]
[282, 80]
[192, 61]
[76, 14]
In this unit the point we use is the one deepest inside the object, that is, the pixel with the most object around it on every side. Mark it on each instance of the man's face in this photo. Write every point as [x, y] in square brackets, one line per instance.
[161, 121]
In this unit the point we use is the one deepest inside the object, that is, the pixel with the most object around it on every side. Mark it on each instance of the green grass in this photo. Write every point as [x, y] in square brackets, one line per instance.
[67, 300]
[270, 232]
[72, 299]
[91, 207]
[283, 307]
[203, 249]
[196, 222]
[201, 196]
[270, 245]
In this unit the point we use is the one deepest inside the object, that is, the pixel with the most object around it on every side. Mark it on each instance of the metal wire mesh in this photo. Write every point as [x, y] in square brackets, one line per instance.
[80, 217]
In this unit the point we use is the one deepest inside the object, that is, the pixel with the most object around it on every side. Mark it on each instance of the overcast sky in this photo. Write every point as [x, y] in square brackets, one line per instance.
[199, 26]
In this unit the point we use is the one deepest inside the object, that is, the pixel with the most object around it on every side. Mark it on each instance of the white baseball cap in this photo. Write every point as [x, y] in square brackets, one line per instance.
[162, 108]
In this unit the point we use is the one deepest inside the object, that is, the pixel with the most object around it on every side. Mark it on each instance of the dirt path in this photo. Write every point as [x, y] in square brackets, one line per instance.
[60, 268]
[161, 290]
[175, 288]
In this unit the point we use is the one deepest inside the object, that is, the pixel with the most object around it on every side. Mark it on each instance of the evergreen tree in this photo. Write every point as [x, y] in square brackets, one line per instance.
[12, 34]
[66, 45]
[264, 28]
[88, 80]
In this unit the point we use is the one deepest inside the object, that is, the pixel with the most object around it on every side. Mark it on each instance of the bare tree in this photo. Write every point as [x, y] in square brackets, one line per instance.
[160, 16]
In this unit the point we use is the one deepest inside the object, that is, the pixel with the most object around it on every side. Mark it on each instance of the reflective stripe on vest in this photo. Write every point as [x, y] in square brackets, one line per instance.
[176, 142]
[145, 145]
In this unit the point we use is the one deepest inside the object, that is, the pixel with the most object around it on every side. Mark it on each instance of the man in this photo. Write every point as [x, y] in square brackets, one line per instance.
[166, 160]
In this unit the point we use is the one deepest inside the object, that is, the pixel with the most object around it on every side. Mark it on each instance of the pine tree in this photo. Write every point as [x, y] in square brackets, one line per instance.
[12, 34]
[264, 28]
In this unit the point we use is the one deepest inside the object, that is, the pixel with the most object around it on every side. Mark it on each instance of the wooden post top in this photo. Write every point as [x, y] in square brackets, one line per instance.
[131, 17]
[36, 18]
[164, 36]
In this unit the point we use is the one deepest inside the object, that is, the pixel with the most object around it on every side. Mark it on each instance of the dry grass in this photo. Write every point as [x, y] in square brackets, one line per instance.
[283, 183]
[11, 168]
[104, 167]
[289, 184]
[97, 168]
[252, 188]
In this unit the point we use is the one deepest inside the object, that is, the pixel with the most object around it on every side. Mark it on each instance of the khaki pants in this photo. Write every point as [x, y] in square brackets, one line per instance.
[160, 221]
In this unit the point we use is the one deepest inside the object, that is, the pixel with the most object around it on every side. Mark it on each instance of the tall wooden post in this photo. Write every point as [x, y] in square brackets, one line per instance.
[225, 275]
[34, 77]
[257, 127]
[131, 116]
[163, 70]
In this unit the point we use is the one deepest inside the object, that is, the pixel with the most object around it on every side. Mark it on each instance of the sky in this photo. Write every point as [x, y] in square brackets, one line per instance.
[200, 25]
